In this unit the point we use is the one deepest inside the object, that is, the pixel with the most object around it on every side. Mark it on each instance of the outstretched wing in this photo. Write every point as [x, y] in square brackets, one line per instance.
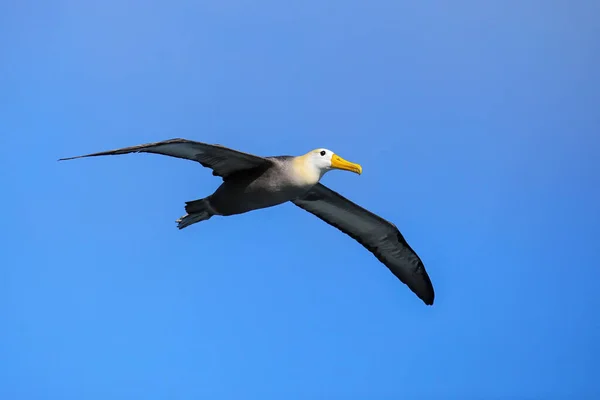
[377, 235]
[222, 160]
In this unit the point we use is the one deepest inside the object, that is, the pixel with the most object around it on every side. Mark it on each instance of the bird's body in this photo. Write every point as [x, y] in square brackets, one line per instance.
[251, 182]
[259, 188]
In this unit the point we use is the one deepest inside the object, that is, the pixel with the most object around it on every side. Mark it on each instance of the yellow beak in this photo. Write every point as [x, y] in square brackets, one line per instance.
[339, 163]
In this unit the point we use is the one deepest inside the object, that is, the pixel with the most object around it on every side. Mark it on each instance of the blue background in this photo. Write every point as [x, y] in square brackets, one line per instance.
[477, 124]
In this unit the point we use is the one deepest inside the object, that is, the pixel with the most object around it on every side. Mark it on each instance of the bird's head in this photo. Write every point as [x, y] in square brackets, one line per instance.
[324, 160]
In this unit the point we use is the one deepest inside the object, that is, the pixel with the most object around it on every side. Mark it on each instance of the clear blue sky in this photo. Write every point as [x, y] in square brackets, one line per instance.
[477, 124]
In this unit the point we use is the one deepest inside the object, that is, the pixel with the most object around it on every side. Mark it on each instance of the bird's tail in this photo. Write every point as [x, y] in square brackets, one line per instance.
[197, 210]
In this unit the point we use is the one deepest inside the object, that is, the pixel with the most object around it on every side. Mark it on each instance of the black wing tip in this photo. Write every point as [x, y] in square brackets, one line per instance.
[84, 156]
[428, 300]
[427, 295]
[69, 158]
[130, 149]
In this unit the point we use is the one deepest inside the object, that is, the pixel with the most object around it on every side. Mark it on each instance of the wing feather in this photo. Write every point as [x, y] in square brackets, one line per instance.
[380, 237]
[222, 160]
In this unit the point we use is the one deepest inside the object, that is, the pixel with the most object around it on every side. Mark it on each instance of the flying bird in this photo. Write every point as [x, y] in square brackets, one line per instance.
[252, 182]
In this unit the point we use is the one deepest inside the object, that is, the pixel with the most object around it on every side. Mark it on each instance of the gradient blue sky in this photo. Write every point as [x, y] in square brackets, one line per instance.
[477, 124]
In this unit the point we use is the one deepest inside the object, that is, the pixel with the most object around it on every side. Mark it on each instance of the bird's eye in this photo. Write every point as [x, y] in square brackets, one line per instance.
[323, 152]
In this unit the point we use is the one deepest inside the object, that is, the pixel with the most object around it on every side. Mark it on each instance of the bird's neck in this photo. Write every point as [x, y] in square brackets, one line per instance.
[305, 171]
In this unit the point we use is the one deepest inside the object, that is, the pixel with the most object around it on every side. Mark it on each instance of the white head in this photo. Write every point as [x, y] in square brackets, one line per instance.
[320, 161]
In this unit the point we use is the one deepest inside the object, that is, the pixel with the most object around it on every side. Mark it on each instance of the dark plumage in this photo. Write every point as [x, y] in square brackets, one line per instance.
[251, 182]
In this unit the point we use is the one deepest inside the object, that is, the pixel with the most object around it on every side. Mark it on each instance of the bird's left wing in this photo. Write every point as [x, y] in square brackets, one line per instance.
[377, 235]
[222, 160]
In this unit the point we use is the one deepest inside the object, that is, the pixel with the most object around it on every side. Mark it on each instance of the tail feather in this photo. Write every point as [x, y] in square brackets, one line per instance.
[197, 210]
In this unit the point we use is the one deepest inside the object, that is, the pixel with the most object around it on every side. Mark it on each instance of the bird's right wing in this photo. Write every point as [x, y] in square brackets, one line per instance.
[377, 235]
[222, 160]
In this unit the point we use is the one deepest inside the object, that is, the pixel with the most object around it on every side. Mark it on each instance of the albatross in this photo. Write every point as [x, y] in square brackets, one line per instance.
[251, 182]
